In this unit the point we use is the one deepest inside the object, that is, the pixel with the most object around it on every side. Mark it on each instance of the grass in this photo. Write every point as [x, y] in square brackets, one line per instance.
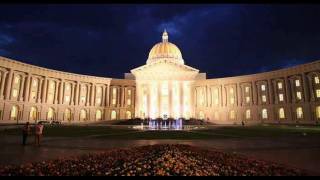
[109, 132]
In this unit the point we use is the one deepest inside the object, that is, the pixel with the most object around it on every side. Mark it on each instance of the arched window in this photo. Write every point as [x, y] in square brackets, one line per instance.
[264, 114]
[318, 112]
[50, 114]
[14, 113]
[281, 113]
[232, 114]
[33, 114]
[299, 113]
[113, 115]
[67, 115]
[98, 115]
[83, 115]
[128, 115]
[248, 114]
[201, 115]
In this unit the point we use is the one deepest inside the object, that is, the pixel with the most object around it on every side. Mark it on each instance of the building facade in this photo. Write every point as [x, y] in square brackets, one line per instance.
[164, 87]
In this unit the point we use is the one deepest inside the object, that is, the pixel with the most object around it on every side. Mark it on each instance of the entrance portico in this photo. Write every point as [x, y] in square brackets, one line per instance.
[164, 83]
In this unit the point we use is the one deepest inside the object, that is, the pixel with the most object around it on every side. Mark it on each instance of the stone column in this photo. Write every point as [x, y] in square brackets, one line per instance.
[56, 93]
[21, 88]
[77, 93]
[137, 101]
[72, 94]
[103, 96]
[3, 79]
[159, 98]
[61, 91]
[118, 96]
[8, 86]
[287, 86]
[254, 93]
[312, 95]
[39, 90]
[270, 91]
[276, 92]
[190, 99]
[92, 95]
[305, 88]
[108, 95]
[123, 96]
[148, 100]
[292, 91]
[170, 99]
[44, 92]
[88, 95]
[239, 94]
[27, 90]
[181, 98]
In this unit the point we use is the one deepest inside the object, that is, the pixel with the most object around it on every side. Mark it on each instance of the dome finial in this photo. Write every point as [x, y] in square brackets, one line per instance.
[165, 36]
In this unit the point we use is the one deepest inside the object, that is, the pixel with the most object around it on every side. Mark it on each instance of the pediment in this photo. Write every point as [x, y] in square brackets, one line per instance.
[164, 70]
[163, 67]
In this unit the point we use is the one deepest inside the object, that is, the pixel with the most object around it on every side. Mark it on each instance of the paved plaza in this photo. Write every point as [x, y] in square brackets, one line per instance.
[301, 152]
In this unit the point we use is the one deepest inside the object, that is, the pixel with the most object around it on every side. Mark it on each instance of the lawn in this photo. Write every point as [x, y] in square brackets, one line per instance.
[212, 132]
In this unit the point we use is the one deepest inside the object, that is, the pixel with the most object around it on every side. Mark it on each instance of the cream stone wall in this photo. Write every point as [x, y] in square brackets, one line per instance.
[227, 100]
[43, 94]
[31, 93]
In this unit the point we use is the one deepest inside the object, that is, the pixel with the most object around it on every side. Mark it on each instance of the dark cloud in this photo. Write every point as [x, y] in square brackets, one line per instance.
[109, 40]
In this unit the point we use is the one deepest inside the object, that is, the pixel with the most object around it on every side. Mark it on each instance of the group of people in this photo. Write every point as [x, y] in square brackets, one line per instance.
[26, 131]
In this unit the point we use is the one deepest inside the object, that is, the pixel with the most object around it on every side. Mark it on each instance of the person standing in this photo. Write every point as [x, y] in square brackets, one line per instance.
[38, 133]
[25, 133]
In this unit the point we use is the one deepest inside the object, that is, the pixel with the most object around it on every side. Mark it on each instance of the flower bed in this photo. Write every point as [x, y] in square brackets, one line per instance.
[156, 160]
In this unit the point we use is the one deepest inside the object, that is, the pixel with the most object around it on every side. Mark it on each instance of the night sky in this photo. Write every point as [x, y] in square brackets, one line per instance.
[109, 40]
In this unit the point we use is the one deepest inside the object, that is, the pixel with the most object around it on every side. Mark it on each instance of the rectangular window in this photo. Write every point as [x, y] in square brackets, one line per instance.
[33, 95]
[263, 87]
[15, 93]
[247, 89]
[114, 95]
[299, 113]
[279, 85]
[299, 97]
[264, 98]
[216, 96]
[248, 99]
[231, 91]
[248, 114]
[129, 92]
[16, 80]
[128, 102]
[232, 100]
[67, 99]
[297, 82]
[316, 80]
[82, 99]
[280, 97]
[318, 93]
[34, 83]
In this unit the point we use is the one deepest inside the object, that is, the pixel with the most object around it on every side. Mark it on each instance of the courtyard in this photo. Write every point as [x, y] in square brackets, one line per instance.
[291, 146]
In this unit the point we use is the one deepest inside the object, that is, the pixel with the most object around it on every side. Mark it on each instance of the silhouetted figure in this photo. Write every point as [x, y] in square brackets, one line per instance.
[25, 133]
[242, 123]
[38, 133]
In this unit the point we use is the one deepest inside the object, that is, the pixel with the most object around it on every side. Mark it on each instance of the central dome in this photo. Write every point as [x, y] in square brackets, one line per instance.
[165, 51]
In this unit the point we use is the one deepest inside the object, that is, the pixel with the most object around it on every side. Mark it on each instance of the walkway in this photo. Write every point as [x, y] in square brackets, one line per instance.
[297, 152]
